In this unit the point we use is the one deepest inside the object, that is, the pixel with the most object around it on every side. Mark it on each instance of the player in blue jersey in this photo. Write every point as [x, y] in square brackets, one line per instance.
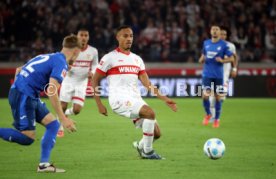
[229, 70]
[215, 52]
[43, 72]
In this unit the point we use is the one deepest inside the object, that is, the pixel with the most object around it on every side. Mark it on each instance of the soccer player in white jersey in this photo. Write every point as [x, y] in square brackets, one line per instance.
[229, 69]
[73, 88]
[123, 69]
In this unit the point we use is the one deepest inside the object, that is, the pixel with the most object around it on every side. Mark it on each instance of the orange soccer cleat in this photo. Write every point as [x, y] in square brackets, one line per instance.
[216, 123]
[206, 119]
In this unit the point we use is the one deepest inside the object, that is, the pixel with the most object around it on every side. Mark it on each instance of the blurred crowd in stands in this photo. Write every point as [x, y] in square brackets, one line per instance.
[164, 30]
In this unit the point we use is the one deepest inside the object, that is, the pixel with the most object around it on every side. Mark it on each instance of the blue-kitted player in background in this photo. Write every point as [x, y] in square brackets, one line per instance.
[215, 52]
[43, 72]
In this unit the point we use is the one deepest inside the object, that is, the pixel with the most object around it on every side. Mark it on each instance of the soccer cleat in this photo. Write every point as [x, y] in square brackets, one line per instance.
[151, 155]
[136, 146]
[49, 169]
[216, 123]
[60, 131]
[206, 119]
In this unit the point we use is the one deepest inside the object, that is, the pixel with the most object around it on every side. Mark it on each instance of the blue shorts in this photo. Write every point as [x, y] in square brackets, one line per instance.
[26, 111]
[212, 84]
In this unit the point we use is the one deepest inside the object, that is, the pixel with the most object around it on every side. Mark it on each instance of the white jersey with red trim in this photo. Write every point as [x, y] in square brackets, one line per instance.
[85, 62]
[122, 72]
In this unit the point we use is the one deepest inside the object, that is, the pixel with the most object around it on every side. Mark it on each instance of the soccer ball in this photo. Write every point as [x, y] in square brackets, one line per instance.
[214, 148]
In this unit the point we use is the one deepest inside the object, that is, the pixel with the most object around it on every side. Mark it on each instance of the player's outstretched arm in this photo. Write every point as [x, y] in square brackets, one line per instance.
[95, 83]
[155, 91]
[52, 92]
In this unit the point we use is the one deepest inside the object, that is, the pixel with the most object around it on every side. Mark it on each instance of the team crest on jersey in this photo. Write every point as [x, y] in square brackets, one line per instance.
[120, 60]
[63, 73]
[128, 103]
[101, 62]
[219, 48]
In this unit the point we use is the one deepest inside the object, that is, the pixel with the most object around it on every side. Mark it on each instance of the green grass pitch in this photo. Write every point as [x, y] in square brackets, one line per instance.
[102, 146]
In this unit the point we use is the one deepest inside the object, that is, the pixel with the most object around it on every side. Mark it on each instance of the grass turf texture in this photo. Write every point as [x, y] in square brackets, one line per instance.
[102, 146]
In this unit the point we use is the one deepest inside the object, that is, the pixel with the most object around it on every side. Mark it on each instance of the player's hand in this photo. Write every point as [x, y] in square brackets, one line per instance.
[90, 75]
[171, 104]
[218, 59]
[233, 74]
[201, 60]
[69, 125]
[102, 109]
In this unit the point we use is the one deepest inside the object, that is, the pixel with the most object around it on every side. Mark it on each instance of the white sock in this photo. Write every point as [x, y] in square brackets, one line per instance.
[45, 164]
[212, 106]
[61, 128]
[141, 144]
[69, 112]
[148, 134]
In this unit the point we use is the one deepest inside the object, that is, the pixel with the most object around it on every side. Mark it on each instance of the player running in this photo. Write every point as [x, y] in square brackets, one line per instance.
[73, 88]
[215, 52]
[123, 69]
[229, 69]
[43, 72]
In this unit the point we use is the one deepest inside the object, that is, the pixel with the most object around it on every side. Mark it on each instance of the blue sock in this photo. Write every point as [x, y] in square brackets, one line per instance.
[218, 109]
[48, 141]
[13, 135]
[206, 104]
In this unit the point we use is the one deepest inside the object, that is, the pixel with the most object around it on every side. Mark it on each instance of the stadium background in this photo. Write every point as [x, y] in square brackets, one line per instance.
[168, 35]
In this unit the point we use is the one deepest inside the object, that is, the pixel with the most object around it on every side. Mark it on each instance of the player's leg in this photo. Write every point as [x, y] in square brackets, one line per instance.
[65, 95]
[77, 108]
[149, 128]
[139, 124]
[219, 94]
[212, 107]
[226, 75]
[77, 99]
[64, 105]
[206, 93]
[48, 141]
[24, 132]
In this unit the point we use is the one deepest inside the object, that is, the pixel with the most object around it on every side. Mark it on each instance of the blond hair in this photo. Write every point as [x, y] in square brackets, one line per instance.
[71, 41]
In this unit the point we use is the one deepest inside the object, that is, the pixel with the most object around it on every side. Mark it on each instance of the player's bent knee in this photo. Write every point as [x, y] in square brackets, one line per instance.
[157, 136]
[147, 113]
[27, 138]
[76, 111]
[28, 141]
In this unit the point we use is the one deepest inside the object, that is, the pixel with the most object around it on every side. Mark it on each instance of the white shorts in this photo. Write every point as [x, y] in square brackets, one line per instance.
[127, 106]
[73, 92]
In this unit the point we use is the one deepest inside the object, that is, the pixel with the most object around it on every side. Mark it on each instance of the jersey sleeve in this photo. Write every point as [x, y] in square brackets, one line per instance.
[227, 51]
[142, 67]
[103, 66]
[94, 62]
[59, 70]
[232, 48]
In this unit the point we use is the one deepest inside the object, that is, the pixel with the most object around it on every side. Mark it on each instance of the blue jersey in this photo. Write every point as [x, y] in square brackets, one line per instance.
[35, 74]
[212, 68]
